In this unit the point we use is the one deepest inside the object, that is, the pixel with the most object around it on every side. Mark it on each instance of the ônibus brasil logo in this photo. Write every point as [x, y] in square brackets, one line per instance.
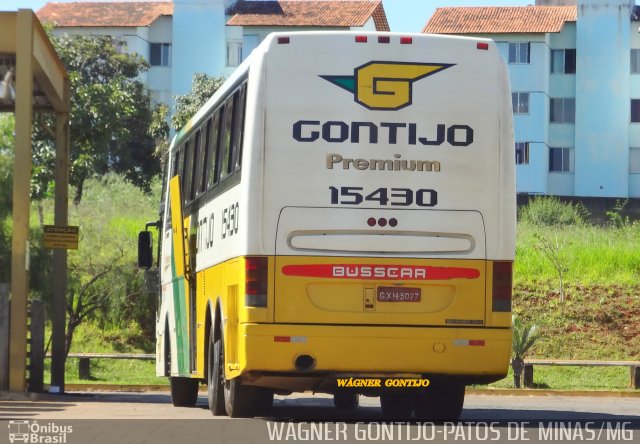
[385, 85]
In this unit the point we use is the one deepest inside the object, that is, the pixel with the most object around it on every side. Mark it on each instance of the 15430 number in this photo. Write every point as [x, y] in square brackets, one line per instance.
[402, 197]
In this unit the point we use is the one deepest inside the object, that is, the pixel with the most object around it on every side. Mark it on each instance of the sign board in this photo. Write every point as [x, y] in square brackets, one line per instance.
[61, 237]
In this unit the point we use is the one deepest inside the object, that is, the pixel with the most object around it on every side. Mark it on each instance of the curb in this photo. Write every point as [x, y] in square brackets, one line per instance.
[537, 392]
[78, 389]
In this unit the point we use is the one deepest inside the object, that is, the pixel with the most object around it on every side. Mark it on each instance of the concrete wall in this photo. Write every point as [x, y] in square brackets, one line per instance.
[198, 41]
[602, 98]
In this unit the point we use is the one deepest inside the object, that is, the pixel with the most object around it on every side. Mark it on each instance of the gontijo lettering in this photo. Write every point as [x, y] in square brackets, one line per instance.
[390, 133]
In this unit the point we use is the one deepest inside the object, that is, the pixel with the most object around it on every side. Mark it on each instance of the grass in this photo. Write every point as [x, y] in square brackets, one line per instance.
[94, 338]
[591, 254]
[573, 378]
[112, 371]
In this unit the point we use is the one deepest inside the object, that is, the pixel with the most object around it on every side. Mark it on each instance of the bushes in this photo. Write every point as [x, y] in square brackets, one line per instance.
[551, 211]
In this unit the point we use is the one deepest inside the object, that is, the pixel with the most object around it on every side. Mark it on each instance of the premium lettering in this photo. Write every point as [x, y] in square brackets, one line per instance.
[395, 164]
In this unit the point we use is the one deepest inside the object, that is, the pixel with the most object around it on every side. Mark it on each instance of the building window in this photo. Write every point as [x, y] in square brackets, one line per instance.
[563, 110]
[634, 160]
[563, 61]
[520, 102]
[160, 54]
[635, 110]
[519, 52]
[635, 61]
[249, 43]
[560, 160]
[234, 53]
[522, 153]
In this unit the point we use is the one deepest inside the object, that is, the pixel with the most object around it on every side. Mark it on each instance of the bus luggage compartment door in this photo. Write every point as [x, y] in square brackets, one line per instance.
[380, 267]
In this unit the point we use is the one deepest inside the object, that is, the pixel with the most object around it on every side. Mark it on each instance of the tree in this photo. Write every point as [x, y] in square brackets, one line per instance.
[110, 118]
[202, 88]
[7, 124]
[524, 336]
[555, 253]
[104, 282]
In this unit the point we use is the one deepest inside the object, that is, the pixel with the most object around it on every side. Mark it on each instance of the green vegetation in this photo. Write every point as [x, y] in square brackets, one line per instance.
[202, 88]
[592, 255]
[110, 120]
[524, 336]
[109, 338]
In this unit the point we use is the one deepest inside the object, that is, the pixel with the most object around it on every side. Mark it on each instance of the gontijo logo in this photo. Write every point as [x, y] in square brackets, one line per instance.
[385, 85]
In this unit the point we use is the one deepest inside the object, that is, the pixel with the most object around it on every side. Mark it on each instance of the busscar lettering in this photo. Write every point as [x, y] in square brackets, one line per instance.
[395, 164]
[366, 271]
[391, 133]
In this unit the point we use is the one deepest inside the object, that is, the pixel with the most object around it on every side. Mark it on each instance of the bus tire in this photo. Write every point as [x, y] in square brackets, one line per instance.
[215, 376]
[396, 406]
[184, 391]
[346, 400]
[243, 401]
[440, 402]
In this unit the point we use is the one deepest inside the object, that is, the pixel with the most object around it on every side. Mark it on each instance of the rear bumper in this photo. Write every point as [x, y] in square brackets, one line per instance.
[375, 350]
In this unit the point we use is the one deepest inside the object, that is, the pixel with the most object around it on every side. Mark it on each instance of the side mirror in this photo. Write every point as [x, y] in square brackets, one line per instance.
[145, 250]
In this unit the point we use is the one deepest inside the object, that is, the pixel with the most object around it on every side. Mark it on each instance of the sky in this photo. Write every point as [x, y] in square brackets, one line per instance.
[403, 15]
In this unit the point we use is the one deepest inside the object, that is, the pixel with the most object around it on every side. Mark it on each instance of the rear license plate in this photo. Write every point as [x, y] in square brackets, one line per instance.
[399, 294]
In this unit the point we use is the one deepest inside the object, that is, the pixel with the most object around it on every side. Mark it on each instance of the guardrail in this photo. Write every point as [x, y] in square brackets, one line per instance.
[634, 368]
[84, 360]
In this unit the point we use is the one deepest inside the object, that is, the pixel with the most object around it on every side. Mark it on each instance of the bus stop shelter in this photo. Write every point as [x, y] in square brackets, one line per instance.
[33, 79]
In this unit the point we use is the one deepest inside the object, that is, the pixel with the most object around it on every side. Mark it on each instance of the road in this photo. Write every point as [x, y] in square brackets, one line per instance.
[150, 417]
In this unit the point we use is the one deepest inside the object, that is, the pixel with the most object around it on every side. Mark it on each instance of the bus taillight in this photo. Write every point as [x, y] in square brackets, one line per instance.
[502, 281]
[406, 40]
[257, 274]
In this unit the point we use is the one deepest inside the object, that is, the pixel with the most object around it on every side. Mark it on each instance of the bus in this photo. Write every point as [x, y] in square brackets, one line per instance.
[339, 218]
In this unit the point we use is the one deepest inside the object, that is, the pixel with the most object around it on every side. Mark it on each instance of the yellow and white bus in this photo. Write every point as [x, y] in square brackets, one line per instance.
[342, 207]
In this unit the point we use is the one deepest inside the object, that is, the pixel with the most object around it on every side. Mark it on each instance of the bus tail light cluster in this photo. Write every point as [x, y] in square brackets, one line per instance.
[372, 222]
[257, 281]
[502, 285]
[469, 342]
[284, 40]
[384, 39]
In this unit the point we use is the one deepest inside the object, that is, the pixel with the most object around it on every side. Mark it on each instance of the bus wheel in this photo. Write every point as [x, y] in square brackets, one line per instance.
[184, 391]
[396, 405]
[346, 400]
[215, 373]
[440, 402]
[243, 401]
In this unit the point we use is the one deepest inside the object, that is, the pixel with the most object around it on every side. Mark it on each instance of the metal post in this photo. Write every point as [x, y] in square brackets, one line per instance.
[84, 368]
[21, 202]
[36, 346]
[528, 376]
[4, 336]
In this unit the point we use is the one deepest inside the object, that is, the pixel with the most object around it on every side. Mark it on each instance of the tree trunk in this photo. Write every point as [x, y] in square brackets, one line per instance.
[77, 197]
[71, 326]
[517, 364]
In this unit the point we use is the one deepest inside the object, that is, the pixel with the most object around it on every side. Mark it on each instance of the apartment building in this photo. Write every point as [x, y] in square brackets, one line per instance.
[183, 37]
[575, 80]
